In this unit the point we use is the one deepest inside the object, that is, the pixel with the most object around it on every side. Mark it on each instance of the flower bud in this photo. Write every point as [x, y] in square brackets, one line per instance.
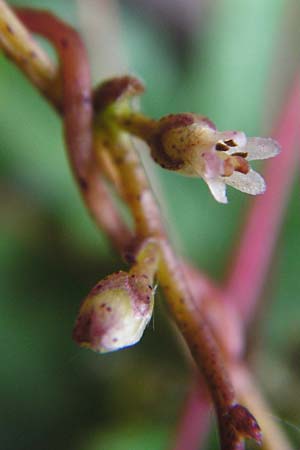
[115, 91]
[244, 423]
[115, 313]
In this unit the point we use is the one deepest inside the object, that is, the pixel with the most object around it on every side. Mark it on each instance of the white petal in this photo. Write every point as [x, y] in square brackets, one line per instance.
[261, 148]
[217, 187]
[251, 183]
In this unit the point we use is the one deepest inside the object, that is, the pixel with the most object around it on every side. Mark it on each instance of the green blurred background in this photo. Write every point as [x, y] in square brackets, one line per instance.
[231, 60]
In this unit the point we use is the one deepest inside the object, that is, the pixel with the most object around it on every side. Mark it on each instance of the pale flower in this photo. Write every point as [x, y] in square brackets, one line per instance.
[220, 158]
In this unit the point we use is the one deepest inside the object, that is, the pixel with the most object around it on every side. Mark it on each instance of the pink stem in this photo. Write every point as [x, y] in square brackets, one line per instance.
[195, 419]
[252, 260]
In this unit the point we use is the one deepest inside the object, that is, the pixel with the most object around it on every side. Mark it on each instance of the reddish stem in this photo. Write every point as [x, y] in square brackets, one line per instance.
[77, 112]
[253, 256]
[76, 103]
[102, 209]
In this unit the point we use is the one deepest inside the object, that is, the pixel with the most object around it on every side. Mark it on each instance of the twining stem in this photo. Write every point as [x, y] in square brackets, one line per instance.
[76, 94]
[199, 337]
[103, 211]
[223, 319]
[77, 113]
[18, 45]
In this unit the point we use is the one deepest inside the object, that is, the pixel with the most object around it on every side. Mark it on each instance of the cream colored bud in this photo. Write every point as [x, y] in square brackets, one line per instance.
[115, 313]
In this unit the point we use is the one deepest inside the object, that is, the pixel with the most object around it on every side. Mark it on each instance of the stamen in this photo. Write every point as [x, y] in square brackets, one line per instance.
[240, 164]
[242, 154]
[221, 147]
[231, 143]
[228, 167]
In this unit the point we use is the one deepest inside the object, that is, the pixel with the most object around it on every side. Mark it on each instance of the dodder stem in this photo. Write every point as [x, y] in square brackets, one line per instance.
[76, 95]
[77, 113]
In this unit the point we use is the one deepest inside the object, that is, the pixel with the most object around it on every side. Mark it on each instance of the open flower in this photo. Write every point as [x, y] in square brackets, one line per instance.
[191, 145]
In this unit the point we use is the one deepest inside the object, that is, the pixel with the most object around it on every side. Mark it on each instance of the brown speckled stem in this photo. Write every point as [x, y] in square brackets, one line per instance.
[198, 335]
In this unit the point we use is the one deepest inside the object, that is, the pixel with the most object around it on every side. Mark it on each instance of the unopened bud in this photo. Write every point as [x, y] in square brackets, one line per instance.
[115, 91]
[115, 313]
[245, 423]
